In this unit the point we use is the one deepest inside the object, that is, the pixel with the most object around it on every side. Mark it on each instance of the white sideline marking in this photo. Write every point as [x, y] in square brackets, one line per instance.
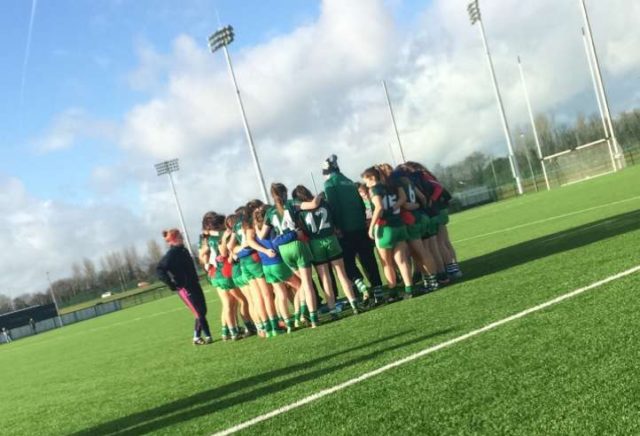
[412, 357]
[544, 220]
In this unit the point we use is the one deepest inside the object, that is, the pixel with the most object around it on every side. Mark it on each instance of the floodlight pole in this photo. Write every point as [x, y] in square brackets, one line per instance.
[474, 15]
[393, 121]
[220, 39]
[313, 180]
[55, 301]
[168, 168]
[182, 224]
[533, 126]
[598, 73]
[594, 81]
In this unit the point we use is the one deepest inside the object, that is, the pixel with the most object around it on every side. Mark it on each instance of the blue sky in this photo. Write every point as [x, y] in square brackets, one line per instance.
[81, 54]
[113, 86]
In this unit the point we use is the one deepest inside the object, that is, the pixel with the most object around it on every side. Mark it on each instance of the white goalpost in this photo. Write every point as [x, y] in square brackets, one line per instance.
[581, 163]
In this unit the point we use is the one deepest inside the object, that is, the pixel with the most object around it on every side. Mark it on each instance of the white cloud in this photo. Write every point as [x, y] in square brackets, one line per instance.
[71, 126]
[316, 91]
[49, 236]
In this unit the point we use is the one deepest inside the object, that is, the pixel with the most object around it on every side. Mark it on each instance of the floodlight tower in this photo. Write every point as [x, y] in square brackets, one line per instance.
[393, 122]
[168, 167]
[220, 40]
[474, 15]
[55, 301]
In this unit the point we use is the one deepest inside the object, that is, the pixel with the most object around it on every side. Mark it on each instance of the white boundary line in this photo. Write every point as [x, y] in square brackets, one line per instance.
[544, 220]
[419, 354]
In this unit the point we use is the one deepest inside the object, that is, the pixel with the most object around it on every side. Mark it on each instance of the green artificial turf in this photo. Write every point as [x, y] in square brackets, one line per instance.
[570, 369]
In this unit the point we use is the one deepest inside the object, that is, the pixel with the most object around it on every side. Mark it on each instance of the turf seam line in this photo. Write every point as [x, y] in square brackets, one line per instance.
[424, 352]
[544, 220]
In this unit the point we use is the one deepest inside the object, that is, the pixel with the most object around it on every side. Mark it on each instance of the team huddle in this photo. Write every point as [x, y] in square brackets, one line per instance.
[261, 258]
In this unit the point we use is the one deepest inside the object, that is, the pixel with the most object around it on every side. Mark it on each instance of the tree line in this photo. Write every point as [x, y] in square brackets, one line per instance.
[481, 169]
[115, 272]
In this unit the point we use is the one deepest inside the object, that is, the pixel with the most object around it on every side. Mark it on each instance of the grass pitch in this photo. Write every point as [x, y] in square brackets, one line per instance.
[569, 369]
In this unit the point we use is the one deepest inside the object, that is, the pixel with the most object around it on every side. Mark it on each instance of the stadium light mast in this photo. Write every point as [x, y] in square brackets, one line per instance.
[533, 126]
[474, 15]
[603, 94]
[55, 300]
[168, 167]
[393, 121]
[594, 81]
[220, 40]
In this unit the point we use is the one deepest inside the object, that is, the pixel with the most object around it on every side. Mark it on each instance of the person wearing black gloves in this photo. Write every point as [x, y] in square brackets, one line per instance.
[177, 270]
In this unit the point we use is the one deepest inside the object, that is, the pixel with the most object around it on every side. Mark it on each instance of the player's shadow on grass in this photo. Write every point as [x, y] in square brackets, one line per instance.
[248, 389]
[551, 244]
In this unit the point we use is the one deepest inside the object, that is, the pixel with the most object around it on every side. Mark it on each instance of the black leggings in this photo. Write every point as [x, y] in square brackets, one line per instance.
[198, 306]
[358, 243]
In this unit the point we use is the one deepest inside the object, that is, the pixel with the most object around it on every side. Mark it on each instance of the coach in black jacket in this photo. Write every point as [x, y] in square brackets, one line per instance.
[178, 271]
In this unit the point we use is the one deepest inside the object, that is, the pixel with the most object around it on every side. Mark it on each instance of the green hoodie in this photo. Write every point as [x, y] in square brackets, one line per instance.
[346, 205]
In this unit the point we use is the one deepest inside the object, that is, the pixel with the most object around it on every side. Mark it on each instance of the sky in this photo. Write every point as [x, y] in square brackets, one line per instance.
[94, 93]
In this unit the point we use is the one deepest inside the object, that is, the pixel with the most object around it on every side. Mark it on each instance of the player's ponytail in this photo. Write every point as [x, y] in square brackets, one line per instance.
[279, 195]
[259, 214]
[301, 193]
[248, 212]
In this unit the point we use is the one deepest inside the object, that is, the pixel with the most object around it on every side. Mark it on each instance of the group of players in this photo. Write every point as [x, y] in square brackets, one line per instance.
[261, 258]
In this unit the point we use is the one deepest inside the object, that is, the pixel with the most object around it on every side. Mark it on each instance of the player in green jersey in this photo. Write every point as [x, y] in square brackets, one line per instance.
[415, 219]
[294, 251]
[250, 272]
[210, 257]
[438, 198]
[277, 273]
[252, 266]
[236, 273]
[316, 222]
[388, 230]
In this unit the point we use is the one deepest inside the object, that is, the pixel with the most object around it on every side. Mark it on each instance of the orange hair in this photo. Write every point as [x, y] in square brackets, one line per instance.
[170, 235]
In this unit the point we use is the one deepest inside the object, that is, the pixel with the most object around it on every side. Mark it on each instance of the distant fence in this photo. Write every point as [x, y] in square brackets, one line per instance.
[67, 319]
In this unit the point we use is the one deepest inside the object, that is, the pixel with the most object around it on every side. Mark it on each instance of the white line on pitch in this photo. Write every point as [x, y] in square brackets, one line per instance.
[544, 220]
[412, 357]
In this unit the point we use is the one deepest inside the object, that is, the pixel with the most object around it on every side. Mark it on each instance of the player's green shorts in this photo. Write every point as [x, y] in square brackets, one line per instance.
[277, 273]
[296, 255]
[238, 277]
[325, 249]
[251, 269]
[415, 230]
[223, 283]
[388, 237]
[443, 216]
[430, 226]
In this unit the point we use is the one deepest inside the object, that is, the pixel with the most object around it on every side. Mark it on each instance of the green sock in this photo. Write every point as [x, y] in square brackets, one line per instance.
[353, 304]
[233, 331]
[274, 324]
[313, 316]
[304, 310]
[289, 323]
[225, 330]
[408, 289]
[296, 316]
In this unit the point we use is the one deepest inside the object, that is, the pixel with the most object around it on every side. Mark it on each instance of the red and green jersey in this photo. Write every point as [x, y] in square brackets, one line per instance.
[285, 222]
[410, 191]
[238, 233]
[317, 223]
[389, 198]
[213, 241]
